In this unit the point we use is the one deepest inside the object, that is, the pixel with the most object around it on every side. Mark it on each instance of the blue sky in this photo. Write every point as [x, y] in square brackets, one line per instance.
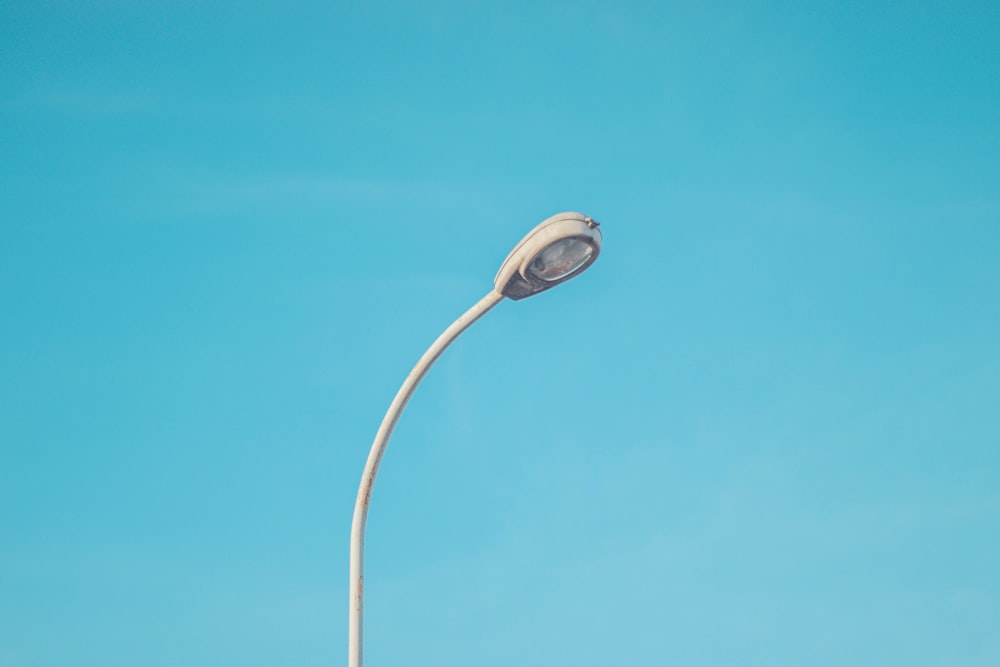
[761, 430]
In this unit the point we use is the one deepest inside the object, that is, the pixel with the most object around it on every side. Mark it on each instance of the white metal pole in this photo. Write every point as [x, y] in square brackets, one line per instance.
[375, 457]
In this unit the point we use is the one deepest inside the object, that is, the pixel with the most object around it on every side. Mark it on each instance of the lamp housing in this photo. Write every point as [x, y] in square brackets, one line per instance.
[558, 249]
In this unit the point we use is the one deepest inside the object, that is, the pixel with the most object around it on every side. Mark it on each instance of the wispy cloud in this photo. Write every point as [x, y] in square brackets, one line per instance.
[84, 101]
[215, 191]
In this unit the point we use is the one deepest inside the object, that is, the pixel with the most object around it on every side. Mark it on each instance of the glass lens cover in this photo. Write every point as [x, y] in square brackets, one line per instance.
[560, 259]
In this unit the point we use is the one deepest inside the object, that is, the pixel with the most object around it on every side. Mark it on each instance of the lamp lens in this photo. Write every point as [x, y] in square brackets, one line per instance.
[560, 259]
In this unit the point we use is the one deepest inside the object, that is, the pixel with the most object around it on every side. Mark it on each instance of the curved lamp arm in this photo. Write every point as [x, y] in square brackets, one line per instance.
[375, 457]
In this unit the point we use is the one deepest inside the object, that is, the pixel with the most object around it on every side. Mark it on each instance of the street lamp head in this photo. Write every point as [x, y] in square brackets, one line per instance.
[553, 252]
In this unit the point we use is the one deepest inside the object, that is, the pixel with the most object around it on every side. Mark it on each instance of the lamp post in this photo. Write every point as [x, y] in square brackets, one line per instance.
[559, 248]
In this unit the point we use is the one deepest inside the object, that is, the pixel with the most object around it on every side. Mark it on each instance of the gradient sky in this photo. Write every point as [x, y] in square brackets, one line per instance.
[762, 430]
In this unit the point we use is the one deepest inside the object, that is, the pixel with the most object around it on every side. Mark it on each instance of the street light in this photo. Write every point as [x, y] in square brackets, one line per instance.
[553, 252]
